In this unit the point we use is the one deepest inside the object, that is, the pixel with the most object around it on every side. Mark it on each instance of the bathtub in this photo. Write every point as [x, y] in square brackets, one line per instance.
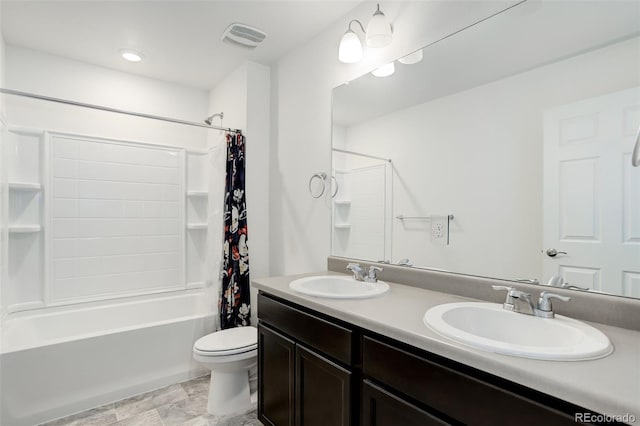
[53, 364]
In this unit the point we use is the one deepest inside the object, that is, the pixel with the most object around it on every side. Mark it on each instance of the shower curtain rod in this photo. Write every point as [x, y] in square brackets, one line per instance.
[116, 110]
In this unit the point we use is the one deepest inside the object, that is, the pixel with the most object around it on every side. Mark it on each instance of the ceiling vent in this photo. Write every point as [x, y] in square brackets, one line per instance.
[242, 35]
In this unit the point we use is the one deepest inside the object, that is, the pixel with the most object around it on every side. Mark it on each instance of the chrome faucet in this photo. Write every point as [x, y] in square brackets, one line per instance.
[356, 269]
[558, 281]
[528, 280]
[515, 300]
[372, 276]
[545, 309]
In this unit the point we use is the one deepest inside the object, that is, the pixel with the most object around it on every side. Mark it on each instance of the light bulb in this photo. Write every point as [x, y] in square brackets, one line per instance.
[350, 50]
[379, 32]
[384, 70]
[411, 58]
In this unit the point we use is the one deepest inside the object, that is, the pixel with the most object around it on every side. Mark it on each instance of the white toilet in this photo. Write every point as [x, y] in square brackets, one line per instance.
[229, 354]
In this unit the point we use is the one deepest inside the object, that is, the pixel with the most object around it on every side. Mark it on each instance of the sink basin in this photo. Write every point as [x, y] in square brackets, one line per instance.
[488, 327]
[338, 287]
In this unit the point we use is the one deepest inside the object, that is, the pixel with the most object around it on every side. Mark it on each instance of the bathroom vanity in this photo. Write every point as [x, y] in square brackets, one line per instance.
[373, 362]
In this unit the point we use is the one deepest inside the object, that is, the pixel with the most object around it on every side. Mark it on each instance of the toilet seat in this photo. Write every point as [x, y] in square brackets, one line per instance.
[231, 341]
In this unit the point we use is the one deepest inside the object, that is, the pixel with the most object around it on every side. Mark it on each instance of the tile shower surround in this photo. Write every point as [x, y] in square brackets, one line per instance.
[181, 404]
[105, 195]
[93, 218]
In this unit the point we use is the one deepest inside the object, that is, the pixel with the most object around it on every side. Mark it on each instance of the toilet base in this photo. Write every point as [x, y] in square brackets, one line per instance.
[229, 392]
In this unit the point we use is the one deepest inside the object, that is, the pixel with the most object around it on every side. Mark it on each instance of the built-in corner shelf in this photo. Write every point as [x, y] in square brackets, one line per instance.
[342, 202]
[197, 194]
[24, 229]
[342, 226]
[196, 226]
[25, 186]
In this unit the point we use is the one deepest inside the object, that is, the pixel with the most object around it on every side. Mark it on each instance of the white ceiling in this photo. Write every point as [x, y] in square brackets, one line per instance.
[180, 39]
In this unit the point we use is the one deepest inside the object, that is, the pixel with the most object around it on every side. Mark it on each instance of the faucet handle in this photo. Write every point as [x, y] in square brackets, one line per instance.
[544, 302]
[509, 299]
[372, 276]
[528, 280]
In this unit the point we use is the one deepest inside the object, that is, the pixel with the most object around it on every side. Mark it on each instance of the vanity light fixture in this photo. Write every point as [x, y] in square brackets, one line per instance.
[411, 58]
[350, 50]
[384, 70]
[131, 55]
[378, 34]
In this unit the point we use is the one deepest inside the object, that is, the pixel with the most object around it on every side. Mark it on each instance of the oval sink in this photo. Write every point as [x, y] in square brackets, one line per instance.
[488, 327]
[337, 287]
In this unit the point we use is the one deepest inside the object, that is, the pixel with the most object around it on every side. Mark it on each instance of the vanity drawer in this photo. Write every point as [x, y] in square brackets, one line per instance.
[329, 338]
[461, 397]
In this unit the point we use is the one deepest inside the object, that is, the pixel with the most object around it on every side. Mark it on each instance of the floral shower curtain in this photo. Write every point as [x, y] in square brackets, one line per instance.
[235, 304]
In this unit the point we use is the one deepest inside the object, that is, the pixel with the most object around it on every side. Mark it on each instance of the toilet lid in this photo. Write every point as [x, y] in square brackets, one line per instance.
[231, 340]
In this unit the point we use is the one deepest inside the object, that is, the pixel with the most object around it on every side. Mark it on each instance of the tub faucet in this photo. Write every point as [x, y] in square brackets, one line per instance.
[356, 269]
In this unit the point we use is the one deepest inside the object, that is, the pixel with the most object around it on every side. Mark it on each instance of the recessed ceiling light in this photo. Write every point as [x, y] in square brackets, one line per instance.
[131, 55]
[384, 70]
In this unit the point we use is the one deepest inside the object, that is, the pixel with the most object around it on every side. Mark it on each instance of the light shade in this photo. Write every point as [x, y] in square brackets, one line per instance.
[350, 50]
[379, 32]
[412, 58]
[131, 55]
[384, 70]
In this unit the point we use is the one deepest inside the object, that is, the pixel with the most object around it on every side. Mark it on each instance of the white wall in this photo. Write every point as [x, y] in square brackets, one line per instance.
[301, 87]
[3, 180]
[244, 98]
[49, 75]
[477, 154]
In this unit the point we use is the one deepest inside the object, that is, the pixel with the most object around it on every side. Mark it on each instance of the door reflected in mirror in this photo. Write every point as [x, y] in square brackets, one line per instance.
[504, 152]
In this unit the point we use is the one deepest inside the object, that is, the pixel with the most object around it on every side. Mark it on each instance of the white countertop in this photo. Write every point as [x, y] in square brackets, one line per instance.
[609, 385]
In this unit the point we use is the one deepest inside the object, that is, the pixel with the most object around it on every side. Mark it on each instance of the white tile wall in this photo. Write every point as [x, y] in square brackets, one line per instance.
[117, 218]
[365, 188]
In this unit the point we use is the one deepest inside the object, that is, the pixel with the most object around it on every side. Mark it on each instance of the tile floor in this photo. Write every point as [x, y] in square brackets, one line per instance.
[181, 404]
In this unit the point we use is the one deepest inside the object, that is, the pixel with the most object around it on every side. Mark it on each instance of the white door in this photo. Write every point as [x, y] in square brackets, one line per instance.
[591, 201]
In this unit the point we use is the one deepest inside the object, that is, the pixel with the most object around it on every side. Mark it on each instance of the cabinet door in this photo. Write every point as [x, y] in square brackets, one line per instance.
[381, 408]
[323, 391]
[276, 375]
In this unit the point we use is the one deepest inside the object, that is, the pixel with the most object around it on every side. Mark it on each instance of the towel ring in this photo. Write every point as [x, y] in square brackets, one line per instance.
[334, 193]
[635, 157]
[323, 177]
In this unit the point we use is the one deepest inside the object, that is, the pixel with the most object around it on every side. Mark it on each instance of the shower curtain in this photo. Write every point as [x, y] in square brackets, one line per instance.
[235, 304]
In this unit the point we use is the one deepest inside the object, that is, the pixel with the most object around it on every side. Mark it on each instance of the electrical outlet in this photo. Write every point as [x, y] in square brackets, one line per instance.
[439, 229]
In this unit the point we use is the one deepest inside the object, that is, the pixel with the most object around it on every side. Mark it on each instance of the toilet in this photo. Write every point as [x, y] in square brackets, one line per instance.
[229, 354]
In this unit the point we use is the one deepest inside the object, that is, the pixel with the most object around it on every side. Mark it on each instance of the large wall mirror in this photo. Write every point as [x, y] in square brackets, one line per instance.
[501, 151]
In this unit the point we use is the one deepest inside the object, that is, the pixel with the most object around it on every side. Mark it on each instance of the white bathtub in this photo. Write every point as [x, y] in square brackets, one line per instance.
[58, 363]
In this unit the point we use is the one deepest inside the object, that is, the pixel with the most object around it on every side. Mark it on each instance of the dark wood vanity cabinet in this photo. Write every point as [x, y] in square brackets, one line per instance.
[317, 370]
[383, 408]
[276, 377]
[304, 368]
[454, 393]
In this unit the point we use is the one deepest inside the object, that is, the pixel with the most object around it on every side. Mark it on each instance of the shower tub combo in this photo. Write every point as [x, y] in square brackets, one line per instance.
[59, 363]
